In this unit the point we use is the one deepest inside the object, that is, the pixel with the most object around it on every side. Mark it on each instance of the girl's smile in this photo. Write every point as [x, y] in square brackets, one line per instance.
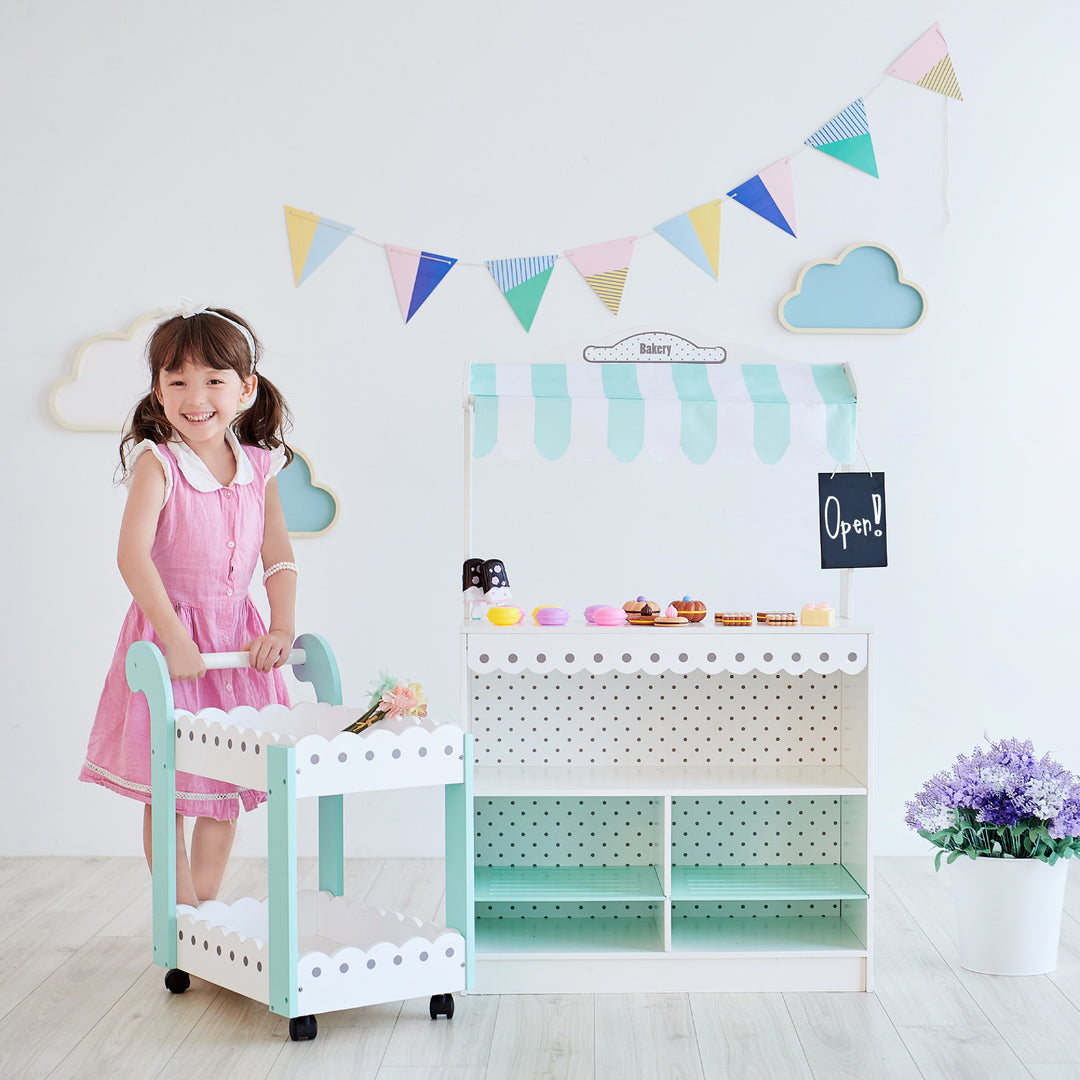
[200, 402]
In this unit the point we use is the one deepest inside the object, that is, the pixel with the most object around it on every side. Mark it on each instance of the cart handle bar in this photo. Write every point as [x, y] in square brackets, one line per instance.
[215, 661]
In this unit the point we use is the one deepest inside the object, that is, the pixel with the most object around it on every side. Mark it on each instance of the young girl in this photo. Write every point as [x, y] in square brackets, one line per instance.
[199, 457]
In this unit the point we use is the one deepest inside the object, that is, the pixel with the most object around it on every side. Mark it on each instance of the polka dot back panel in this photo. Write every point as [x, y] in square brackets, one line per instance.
[723, 719]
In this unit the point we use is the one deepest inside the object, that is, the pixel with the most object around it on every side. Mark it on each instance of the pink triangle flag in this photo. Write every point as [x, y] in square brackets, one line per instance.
[415, 274]
[927, 63]
[605, 266]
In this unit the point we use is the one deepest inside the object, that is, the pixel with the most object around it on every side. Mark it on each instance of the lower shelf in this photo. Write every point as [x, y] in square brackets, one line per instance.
[568, 937]
[764, 936]
[350, 955]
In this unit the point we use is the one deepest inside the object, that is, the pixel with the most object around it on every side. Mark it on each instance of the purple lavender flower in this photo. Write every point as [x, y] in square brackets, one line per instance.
[1000, 801]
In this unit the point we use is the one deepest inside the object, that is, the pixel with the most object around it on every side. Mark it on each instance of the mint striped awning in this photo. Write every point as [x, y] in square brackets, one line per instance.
[693, 411]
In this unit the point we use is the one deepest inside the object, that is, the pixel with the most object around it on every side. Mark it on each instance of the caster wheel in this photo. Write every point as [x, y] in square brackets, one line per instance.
[441, 1005]
[177, 981]
[303, 1027]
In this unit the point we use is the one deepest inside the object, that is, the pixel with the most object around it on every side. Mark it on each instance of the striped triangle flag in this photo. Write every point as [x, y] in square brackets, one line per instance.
[523, 282]
[415, 274]
[697, 235]
[847, 137]
[311, 240]
[927, 64]
[770, 194]
[605, 266]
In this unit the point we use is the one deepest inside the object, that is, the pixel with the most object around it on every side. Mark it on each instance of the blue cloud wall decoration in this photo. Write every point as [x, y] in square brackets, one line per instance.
[861, 292]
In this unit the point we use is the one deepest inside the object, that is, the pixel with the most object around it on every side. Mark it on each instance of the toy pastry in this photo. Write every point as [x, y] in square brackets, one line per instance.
[590, 611]
[734, 618]
[641, 612]
[818, 615]
[550, 615]
[671, 617]
[609, 616]
[505, 615]
[778, 618]
[694, 610]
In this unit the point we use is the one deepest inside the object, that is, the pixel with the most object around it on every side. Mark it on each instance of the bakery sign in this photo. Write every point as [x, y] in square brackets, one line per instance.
[851, 519]
[656, 346]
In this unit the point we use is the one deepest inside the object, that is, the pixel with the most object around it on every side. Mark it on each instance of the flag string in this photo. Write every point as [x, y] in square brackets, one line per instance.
[694, 233]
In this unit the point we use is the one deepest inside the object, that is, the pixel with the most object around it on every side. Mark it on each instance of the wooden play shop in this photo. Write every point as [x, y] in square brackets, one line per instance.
[677, 808]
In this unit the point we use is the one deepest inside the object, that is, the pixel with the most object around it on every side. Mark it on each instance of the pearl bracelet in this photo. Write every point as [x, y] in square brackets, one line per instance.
[271, 571]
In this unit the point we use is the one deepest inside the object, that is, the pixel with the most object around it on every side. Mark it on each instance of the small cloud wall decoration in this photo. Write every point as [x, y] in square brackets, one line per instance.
[863, 291]
[107, 377]
[311, 509]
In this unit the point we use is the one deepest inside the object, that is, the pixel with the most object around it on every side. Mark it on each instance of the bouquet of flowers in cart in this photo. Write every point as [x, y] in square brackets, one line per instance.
[391, 697]
[1001, 802]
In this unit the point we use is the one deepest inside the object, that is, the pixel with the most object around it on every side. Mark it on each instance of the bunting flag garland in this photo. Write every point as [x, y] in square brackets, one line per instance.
[697, 235]
[770, 194]
[605, 266]
[523, 282]
[311, 240]
[415, 274]
[927, 64]
[847, 137]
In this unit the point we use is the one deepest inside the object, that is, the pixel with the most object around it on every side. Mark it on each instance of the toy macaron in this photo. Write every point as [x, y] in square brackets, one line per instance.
[550, 615]
[505, 615]
[590, 611]
[609, 616]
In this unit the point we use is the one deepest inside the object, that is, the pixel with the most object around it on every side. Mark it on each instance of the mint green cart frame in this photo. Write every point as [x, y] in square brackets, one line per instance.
[312, 661]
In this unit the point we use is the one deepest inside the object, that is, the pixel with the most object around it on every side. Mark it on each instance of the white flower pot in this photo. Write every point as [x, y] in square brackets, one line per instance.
[1009, 913]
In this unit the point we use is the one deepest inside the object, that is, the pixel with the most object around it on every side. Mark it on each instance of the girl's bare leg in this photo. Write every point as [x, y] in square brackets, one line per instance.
[211, 843]
[185, 887]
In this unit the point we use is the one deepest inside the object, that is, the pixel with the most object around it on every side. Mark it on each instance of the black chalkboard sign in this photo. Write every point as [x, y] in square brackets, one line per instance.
[851, 517]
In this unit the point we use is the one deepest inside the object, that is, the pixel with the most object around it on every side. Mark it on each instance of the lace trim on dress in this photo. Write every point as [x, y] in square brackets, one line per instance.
[119, 781]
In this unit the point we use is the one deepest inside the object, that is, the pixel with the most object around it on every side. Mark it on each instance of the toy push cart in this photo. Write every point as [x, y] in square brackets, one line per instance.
[304, 952]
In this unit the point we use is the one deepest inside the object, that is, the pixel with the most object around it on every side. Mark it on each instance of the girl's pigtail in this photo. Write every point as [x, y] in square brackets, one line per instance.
[148, 421]
[266, 420]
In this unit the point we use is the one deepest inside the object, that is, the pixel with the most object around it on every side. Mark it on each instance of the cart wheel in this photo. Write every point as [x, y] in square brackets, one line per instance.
[441, 1004]
[303, 1027]
[177, 981]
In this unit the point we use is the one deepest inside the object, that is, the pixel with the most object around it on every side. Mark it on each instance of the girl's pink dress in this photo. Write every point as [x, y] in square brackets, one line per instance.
[206, 549]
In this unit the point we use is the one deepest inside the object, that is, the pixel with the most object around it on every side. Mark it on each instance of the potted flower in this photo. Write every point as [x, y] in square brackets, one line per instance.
[1007, 821]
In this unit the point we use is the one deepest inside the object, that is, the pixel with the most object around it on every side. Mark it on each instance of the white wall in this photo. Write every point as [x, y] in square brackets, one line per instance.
[150, 148]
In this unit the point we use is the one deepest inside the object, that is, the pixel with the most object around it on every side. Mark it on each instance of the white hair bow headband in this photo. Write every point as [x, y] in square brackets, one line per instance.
[187, 309]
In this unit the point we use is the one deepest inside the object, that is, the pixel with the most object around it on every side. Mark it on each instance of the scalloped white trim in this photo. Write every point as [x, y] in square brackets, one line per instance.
[397, 753]
[596, 653]
[350, 954]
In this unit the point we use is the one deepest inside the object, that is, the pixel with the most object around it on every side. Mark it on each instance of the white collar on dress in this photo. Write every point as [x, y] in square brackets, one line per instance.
[199, 476]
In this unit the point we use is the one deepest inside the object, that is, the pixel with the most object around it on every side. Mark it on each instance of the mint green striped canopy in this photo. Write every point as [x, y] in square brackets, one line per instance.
[667, 411]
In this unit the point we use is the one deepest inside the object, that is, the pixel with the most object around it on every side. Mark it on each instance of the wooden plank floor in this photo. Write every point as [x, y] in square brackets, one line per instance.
[80, 998]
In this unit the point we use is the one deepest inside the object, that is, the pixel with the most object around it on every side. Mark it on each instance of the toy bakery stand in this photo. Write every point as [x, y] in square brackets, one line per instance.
[303, 952]
[677, 809]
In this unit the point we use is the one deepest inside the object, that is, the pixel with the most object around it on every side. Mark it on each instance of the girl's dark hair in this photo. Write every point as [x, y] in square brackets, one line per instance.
[207, 339]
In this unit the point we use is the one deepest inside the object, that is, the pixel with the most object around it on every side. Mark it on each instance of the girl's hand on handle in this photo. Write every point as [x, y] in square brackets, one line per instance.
[184, 660]
[270, 651]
